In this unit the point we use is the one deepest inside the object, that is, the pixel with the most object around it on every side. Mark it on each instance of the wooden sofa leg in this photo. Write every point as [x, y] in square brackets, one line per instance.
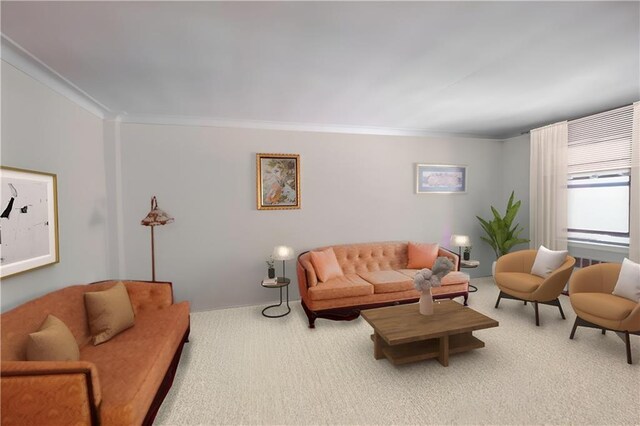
[466, 296]
[628, 344]
[535, 307]
[604, 331]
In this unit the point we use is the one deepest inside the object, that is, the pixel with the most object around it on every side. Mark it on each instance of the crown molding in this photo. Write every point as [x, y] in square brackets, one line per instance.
[175, 120]
[22, 59]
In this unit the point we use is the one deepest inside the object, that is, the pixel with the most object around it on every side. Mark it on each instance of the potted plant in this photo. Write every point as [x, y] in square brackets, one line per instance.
[271, 271]
[501, 234]
[467, 253]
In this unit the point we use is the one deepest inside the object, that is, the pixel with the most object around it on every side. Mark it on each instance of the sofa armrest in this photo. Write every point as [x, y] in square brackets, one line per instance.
[442, 252]
[49, 392]
[147, 295]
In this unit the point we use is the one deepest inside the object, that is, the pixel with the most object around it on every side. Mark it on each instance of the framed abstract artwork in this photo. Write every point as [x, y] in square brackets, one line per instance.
[278, 181]
[28, 220]
[441, 179]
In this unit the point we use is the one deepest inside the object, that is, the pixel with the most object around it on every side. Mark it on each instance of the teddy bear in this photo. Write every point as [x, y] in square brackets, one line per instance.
[427, 278]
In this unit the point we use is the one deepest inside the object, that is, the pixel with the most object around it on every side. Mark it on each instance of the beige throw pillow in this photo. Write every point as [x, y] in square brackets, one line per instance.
[628, 284]
[108, 312]
[547, 261]
[52, 342]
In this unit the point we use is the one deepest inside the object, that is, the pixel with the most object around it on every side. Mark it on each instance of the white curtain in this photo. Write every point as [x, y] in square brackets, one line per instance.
[548, 187]
[634, 211]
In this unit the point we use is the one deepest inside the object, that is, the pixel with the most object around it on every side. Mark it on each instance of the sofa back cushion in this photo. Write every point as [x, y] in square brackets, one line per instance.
[371, 257]
[67, 304]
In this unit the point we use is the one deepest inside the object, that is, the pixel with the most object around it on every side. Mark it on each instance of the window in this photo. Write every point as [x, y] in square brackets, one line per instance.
[599, 160]
[598, 207]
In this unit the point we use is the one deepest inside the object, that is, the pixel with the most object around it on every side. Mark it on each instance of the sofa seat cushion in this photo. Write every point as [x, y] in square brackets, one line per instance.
[603, 305]
[455, 277]
[450, 289]
[388, 281]
[350, 285]
[519, 281]
[451, 278]
[411, 273]
[132, 364]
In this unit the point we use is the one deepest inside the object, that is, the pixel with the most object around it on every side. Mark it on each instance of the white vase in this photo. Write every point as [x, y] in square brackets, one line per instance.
[426, 303]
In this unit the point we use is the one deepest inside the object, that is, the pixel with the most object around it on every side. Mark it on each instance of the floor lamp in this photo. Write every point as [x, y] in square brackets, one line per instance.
[154, 218]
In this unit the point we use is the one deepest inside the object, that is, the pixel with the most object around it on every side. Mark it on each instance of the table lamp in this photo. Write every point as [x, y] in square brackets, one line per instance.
[460, 241]
[282, 253]
[154, 218]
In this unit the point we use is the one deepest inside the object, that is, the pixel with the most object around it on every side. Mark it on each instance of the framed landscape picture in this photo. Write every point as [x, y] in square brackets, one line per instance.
[278, 181]
[441, 179]
[28, 220]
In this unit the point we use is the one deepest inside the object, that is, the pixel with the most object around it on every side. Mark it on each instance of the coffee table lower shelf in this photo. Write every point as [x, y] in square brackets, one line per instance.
[440, 348]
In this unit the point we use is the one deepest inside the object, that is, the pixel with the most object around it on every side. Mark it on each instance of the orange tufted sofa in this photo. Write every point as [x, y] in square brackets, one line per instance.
[120, 382]
[375, 274]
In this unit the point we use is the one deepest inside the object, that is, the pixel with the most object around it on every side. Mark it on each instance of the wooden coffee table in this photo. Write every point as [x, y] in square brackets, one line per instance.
[403, 335]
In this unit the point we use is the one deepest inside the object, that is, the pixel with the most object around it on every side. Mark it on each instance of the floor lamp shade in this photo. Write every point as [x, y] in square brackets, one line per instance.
[155, 218]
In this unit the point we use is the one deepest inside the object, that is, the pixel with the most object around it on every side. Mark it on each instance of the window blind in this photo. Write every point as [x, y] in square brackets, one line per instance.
[601, 141]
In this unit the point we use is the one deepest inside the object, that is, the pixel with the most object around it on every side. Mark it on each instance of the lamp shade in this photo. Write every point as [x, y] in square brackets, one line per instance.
[282, 253]
[156, 216]
[460, 240]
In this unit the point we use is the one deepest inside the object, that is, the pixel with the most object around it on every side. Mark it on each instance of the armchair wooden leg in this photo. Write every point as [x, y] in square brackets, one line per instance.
[573, 330]
[498, 301]
[535, 307]
[525, 302]
[560, 307]
[604, 331]
[628, 344]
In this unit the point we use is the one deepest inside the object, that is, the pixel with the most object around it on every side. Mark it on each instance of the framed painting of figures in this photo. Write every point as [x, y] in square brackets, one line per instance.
[28, 220]
[278, 181]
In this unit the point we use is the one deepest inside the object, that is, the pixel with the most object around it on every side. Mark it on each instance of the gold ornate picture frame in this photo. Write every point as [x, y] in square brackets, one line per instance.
[28, 220]
[277, 181]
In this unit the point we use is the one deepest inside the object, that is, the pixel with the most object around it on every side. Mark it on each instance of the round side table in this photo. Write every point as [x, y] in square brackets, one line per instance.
[280, 285]
[469, 264]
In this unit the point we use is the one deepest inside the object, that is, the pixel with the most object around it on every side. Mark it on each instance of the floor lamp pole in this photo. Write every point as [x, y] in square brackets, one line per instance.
[153, 257]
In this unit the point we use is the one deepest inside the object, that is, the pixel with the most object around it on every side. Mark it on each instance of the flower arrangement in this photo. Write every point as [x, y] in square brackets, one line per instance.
[270, 263]
[426, 278]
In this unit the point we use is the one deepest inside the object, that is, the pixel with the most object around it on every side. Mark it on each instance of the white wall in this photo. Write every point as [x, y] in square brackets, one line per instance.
[44, 131]
[355, 188]
[515, 177]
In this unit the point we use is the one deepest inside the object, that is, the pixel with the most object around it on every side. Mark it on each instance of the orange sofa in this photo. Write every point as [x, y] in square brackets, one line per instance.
[375, 274]
[120, 382]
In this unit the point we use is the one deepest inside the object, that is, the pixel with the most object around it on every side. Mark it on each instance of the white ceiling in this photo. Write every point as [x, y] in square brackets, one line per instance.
[490, 69]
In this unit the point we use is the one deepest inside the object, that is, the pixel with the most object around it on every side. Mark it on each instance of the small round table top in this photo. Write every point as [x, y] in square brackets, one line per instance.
[282, 282]
[469, 263]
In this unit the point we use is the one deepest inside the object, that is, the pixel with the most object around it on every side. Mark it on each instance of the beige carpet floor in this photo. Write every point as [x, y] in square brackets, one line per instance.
[242, 368]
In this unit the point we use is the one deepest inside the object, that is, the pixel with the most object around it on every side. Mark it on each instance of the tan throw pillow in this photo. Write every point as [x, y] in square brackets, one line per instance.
[326, 264]
[52, 342]
[108, 312]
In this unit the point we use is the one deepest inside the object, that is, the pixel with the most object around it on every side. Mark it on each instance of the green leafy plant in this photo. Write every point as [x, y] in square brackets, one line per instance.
[501, 234]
